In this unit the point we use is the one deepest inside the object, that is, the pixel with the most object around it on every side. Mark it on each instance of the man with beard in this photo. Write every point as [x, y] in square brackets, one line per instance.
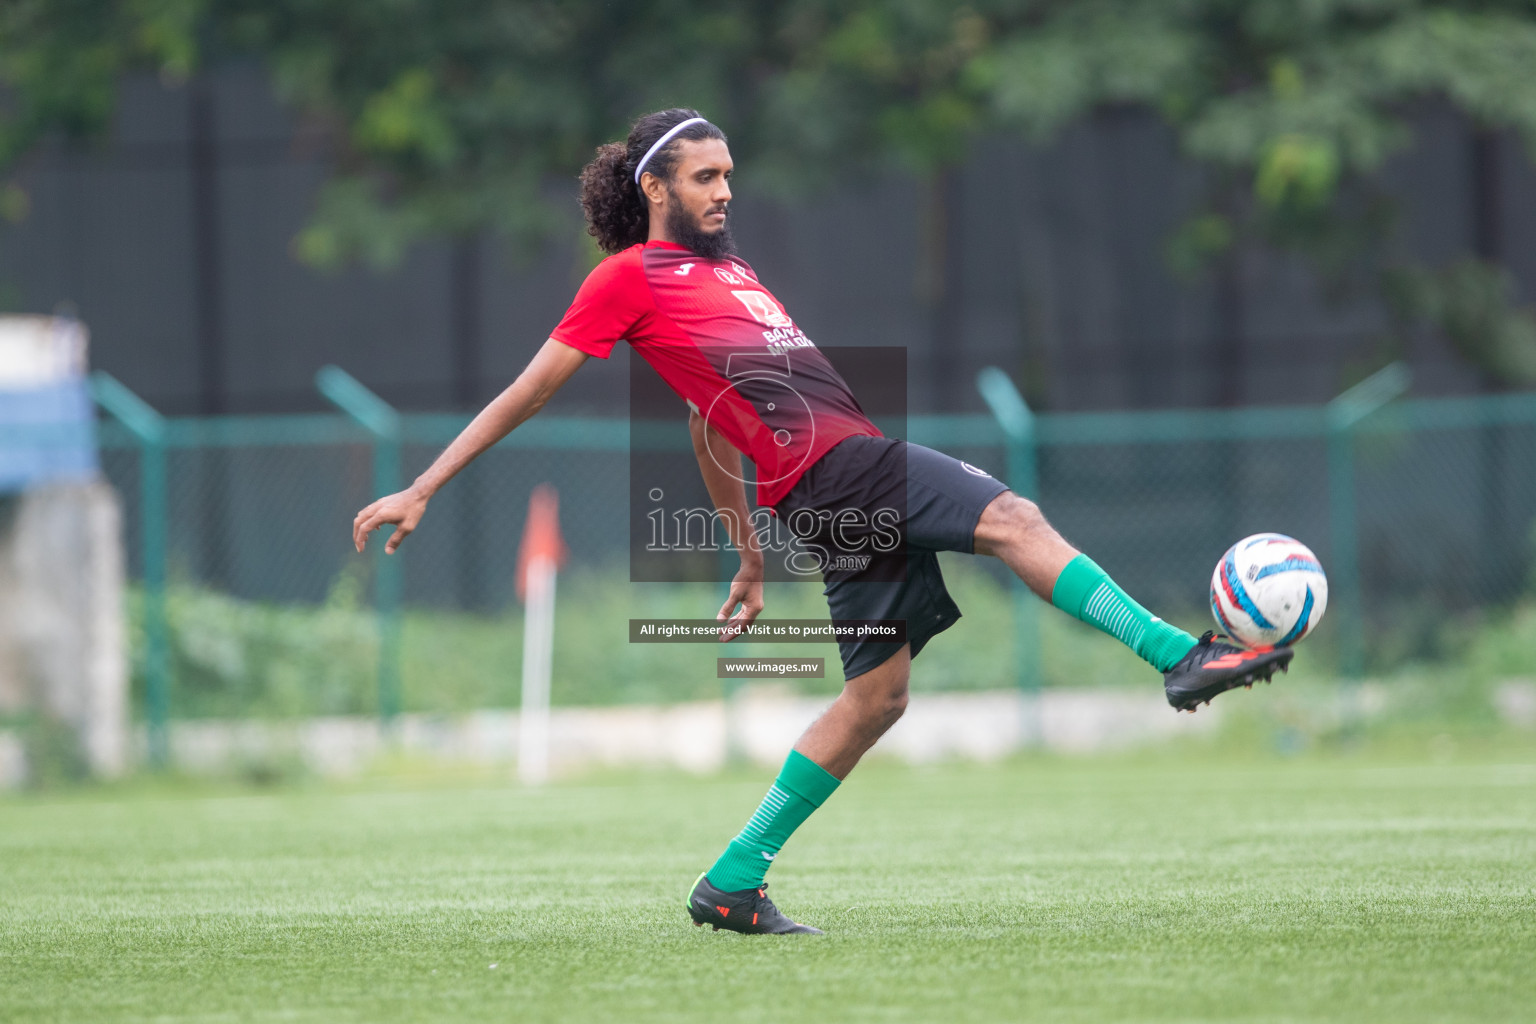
[674, 289]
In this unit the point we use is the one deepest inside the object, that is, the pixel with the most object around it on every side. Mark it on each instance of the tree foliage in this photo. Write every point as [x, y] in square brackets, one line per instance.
[452, 115]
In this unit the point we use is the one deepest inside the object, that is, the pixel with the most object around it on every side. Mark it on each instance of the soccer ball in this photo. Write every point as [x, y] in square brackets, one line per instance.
[1268, 590]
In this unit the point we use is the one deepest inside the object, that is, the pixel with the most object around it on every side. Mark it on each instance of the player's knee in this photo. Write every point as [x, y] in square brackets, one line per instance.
[880, 709]
[1010, 519]
[886, 709]
[1023, 514]
[878, 698]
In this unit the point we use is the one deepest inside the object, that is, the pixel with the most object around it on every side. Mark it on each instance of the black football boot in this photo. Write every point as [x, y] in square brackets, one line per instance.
[748, 911]
[1212, 667]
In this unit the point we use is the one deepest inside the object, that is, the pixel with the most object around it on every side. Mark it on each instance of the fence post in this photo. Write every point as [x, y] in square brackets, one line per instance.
[149, 428]
[381, 420]
[1018, 425]
[1344, 412]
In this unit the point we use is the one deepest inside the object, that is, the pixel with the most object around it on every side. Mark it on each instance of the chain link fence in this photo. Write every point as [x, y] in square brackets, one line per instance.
[1421, 510]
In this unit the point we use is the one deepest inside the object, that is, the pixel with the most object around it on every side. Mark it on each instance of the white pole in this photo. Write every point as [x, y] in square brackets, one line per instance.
[538, 645]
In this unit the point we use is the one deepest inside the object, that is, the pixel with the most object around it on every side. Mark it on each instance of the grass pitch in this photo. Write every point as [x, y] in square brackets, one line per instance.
[1156, 888]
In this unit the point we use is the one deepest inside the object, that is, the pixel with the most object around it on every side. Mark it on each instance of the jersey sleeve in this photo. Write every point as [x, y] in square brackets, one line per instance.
[612, 303]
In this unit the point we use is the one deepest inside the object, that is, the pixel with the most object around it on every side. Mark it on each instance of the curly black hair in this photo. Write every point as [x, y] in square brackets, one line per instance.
[616, 212]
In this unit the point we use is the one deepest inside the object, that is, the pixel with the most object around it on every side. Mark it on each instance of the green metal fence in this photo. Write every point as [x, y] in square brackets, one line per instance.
[1417, 507]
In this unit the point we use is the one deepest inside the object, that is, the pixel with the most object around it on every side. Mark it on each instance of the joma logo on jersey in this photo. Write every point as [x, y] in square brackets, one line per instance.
[763, 309]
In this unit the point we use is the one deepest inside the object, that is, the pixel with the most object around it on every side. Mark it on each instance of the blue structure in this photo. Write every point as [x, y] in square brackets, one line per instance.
[47, 420]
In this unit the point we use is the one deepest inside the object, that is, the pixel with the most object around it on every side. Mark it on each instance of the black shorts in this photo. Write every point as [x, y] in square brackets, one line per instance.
[875, 511]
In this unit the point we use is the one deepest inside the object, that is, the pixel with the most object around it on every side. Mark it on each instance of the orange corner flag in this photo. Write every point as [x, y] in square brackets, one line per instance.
[541, 535]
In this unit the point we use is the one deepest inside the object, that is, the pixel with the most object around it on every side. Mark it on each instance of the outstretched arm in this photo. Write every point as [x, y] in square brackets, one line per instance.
[551, 367]
[720, 464]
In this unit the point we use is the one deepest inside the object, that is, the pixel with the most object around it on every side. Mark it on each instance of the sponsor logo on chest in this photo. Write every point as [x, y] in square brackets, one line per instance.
[781, 335]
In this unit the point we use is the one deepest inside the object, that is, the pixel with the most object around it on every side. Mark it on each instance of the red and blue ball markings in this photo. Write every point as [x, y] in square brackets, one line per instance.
[1301, 622]
[1295, 563]
[1237, 594]
[1221, 616]
[1232, 584]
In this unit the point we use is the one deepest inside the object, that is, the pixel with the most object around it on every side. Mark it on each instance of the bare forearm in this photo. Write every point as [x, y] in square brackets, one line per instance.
[720, 465]
[522, 398]
[551, 367]
[494, 422]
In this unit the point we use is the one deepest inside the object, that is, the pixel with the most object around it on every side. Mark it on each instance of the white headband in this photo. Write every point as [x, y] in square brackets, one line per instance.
[662, 142]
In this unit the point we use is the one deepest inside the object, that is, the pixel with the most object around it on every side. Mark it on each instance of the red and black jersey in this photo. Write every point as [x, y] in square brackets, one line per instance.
[727, 347]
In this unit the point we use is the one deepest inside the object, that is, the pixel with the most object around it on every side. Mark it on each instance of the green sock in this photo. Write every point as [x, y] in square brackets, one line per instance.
[1085, 591]
[802, 786]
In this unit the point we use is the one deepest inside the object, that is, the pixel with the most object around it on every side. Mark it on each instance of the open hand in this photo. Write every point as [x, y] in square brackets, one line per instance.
[403, 509]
